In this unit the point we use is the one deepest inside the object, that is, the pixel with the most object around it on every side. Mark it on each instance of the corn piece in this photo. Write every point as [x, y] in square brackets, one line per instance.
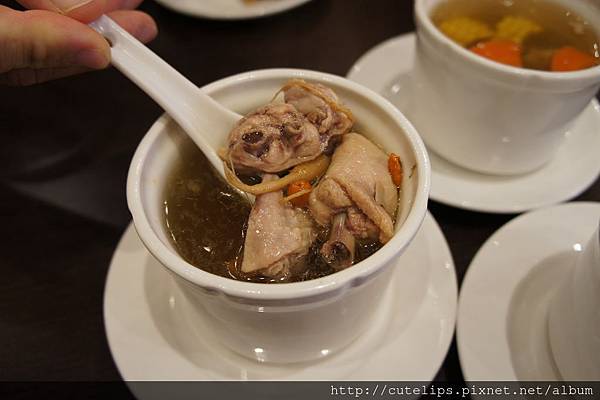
[465, 30]
[515, 29]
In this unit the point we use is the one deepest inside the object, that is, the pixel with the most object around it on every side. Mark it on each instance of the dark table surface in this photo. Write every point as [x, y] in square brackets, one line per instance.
[67, 147]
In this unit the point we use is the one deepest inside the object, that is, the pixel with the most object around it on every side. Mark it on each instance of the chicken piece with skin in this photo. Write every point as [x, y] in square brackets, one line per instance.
[321, 107]
[356, 197]
[278, 237]
[272, 139]
[279, 136]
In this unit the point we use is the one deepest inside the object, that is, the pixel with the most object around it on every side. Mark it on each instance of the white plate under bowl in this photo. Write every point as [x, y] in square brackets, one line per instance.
[502, 330]
[230, 9]
[150, 337]
[386, 69]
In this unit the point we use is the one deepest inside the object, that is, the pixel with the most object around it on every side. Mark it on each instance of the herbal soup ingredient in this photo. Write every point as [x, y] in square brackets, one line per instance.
[395, 168]
[307, 171]
[297, 193]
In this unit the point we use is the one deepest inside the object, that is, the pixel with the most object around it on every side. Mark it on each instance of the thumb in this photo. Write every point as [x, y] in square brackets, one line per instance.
[43, 39]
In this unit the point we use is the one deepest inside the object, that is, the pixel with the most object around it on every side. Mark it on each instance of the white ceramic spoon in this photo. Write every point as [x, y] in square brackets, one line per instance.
[204, 120]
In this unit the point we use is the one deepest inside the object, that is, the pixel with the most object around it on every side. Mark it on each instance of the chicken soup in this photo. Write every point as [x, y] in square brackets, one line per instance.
[326, 197]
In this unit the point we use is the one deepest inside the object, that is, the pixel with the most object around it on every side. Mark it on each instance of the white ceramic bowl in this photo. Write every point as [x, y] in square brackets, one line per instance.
[487, 116]
[293, 321]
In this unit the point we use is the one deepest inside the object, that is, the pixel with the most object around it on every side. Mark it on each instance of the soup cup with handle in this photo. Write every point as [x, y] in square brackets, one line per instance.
[490, 117]
[287, 322]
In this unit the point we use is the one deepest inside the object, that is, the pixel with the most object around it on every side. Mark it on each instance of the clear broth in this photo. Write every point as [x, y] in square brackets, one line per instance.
[207, 220]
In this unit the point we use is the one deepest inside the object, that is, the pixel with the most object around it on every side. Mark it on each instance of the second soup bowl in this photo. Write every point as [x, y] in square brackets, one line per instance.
[288, 322]
[490, 117]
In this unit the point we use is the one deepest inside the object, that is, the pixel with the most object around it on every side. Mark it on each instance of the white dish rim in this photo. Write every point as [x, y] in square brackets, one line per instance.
[503, 367]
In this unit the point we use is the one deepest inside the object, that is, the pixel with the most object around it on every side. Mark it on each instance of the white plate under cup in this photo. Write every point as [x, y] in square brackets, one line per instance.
[298, 321]
[574, 318]
[490, 117]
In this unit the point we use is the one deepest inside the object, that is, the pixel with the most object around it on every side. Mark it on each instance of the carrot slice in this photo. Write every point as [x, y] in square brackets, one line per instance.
[395, 168]
[570, 59]
[502, 51]
[296, 187]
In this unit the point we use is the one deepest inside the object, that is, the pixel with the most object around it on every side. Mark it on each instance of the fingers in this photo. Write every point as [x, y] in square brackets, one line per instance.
[40, 45]
[30, 76]
[43, 39]
[139, 24]
[82, 10]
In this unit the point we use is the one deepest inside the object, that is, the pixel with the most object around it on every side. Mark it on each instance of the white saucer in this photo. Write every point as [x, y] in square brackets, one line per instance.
[150, 339]
[385, 69]
[230, 9]
[502, 327]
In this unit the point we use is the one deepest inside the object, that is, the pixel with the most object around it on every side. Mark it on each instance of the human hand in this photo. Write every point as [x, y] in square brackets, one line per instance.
[52, 40]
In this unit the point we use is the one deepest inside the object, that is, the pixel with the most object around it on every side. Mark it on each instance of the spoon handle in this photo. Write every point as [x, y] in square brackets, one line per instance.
[203, 119]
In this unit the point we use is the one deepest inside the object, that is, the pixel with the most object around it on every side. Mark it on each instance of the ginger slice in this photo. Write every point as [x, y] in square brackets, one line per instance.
[308, 171]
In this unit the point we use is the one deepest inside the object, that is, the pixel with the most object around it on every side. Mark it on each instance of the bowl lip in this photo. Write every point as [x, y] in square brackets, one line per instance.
[424, 22]
[329, 284]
